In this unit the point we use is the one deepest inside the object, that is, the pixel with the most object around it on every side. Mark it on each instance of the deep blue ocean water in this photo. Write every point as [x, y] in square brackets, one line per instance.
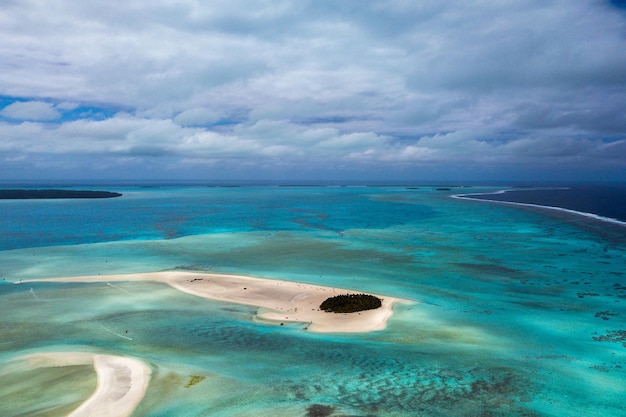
[519, 312]
[606, 200]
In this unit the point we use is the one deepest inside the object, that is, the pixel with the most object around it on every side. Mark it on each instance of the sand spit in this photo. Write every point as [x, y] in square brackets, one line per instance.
[122, 381]
[278, 301]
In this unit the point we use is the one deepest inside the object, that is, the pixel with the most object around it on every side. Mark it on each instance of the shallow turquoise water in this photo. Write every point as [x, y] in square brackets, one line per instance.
[518, 312]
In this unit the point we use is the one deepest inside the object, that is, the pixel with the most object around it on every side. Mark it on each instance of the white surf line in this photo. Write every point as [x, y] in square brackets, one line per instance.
[120, 288]
[116, 334]
[513, 203]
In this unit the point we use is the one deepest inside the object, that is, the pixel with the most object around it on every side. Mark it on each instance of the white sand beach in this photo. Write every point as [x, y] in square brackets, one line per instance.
[122, 381]
[278, 301]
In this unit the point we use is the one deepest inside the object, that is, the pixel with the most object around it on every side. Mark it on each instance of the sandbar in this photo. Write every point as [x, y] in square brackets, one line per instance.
[278, 301]
[122, 381]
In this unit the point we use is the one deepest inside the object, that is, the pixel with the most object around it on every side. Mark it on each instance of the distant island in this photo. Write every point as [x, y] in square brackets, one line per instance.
[54, 194]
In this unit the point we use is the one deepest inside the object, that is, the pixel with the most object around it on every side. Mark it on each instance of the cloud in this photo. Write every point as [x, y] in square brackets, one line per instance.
[197, 116]
[67, 106]
[316, 83]
[275, 147]
[30, 110]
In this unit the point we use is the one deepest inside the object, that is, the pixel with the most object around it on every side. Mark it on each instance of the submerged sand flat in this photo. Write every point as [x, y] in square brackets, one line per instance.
[122, 381]
[279, 301]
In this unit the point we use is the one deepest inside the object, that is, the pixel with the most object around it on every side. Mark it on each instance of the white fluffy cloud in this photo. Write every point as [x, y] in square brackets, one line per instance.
[30, 110]
[197, 116]
[377, 84]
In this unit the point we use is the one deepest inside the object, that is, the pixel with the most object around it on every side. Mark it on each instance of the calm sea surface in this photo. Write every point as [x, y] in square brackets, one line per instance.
[517, 312]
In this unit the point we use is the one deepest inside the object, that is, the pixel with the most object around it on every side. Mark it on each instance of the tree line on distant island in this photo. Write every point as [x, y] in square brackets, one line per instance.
[54, 194]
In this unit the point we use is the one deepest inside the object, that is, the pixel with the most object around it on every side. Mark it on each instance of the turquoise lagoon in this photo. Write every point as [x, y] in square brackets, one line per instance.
[517, 312]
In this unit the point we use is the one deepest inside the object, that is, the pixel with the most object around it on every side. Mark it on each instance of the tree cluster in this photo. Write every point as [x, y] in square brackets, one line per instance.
[350, 303]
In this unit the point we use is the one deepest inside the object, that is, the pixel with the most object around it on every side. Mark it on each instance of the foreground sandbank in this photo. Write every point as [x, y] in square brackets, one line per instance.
[122, 381]
[279, 301]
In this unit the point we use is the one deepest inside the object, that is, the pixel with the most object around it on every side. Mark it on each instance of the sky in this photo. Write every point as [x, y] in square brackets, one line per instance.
[276, 89]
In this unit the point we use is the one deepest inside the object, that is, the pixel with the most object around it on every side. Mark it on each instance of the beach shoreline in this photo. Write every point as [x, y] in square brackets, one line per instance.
[121, 381]
[278, 301]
